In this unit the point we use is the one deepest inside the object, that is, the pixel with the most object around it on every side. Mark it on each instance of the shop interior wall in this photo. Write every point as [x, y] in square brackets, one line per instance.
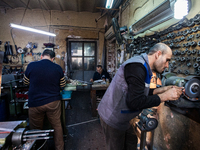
[175, 131]
[66, 24]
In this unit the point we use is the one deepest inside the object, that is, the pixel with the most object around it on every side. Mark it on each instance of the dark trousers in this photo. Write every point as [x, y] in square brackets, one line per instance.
[53, 112]
[118, 139]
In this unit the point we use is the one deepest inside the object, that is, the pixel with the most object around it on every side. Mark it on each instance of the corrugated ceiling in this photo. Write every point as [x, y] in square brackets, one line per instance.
[62, 5]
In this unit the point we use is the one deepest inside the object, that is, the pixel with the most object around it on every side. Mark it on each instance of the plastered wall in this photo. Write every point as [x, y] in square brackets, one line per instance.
[175, 131]
[64, 35]
[139, 8]
[75, 24]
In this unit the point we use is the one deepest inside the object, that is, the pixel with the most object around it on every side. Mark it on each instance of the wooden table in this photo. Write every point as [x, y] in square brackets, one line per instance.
[94, 88]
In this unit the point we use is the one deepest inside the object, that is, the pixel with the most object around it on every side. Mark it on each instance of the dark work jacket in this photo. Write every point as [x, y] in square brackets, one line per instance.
[103, 75]
[113, 108]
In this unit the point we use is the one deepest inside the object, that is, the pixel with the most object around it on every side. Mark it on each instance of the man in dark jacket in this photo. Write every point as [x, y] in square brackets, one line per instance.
[100, 74]
[45, 79]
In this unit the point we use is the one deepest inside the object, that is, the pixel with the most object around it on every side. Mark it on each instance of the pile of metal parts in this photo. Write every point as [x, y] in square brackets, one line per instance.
[141, 44]
[138, 45]
[183, 38]
[184, 41]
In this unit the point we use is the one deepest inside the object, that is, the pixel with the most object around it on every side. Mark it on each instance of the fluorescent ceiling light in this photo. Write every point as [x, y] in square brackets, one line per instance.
[109, 4]
[31, 29]
[180, 9]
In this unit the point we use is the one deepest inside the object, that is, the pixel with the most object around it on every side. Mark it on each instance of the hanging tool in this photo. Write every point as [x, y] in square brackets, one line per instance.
[8, 48]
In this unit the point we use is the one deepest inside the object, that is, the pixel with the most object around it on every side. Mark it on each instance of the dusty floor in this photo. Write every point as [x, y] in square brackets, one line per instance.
[84, 131]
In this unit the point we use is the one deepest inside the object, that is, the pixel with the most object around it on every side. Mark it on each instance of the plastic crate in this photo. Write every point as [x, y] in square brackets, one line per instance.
[66, 94]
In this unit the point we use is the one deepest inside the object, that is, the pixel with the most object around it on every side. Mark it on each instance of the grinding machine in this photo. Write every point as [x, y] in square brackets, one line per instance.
[190, 99]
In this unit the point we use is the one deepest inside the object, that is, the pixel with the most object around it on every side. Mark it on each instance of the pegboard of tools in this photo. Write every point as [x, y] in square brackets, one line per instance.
[184, 40]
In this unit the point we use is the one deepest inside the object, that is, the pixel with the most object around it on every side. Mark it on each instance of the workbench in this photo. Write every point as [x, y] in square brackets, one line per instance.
[94, 88]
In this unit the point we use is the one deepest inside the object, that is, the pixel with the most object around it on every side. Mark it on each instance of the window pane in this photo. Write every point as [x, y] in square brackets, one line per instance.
[89, 63]
[76, 49]
[76, 63]
[89, 49]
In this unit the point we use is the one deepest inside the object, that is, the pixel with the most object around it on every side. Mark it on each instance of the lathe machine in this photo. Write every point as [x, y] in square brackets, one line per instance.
[14, 135]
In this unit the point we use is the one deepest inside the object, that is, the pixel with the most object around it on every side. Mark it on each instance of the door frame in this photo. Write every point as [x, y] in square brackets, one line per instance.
[69, 63]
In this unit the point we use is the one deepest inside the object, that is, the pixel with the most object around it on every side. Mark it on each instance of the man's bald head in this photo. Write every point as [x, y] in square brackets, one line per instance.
[160, 47]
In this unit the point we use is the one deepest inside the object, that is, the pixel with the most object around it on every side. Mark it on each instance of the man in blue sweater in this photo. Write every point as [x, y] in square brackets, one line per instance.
[45, 79]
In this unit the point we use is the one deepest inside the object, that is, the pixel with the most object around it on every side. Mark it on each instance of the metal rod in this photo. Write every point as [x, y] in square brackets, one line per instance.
[35, 135]
[152, 138]
[38, 131]
[143, 140]
[39, 138]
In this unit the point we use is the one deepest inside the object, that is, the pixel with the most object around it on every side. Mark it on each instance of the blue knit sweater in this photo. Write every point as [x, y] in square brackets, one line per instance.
[45, 79]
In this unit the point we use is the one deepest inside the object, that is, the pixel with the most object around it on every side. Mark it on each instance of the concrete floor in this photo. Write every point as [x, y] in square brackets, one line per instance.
[84, 131]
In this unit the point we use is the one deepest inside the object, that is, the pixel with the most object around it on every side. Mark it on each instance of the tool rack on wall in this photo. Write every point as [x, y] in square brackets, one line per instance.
[184, 40]
[111, 58]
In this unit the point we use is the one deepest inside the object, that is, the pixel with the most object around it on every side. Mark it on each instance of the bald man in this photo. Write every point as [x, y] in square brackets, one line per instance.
[129, 93]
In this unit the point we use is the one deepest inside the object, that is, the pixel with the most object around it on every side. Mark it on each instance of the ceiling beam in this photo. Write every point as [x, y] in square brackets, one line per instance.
[47, 6]
[24, 4]
[78, 5]
[7, 4]
[41, 5]
[60, 5]
[94, 7]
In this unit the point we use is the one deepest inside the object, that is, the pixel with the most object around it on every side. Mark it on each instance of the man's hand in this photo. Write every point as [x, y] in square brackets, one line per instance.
[173, 93]
[161, 90]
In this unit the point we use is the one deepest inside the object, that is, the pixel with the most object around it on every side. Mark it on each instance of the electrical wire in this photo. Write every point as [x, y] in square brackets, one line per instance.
[13, 40]
[12, 35]
[42, 145]
[25, 12]
[126, 4]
